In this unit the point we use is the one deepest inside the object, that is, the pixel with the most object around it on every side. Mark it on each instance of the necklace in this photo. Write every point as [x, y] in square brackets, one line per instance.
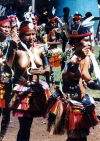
[33, 65]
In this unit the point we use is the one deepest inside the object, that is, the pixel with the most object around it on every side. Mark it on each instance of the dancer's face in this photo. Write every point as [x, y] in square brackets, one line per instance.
[83, 46]
[29, 37]
[5, 29]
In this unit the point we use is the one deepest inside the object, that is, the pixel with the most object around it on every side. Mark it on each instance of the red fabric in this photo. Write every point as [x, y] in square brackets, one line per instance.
[80, 35]
[79, 119]
[77, 17]
[2, 96]
[2, 103]
[12, 16]
[24, 29]
[5, 21]
[52, 19]
[30, 103]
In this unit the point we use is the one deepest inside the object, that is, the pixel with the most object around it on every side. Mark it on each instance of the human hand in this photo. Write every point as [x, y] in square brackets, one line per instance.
[16, 38]
[37, 71]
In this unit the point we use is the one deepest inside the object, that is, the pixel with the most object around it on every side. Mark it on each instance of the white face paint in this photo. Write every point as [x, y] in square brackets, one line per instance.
[86, 45]
[86, 42]
[83, 46]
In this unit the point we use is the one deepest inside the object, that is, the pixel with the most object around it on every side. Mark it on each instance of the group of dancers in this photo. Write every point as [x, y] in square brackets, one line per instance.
[23, 59]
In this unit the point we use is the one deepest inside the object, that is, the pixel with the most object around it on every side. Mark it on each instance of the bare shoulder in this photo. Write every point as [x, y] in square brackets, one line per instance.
[85, 62]
[39, 48]
[87, 59]
[21, 52]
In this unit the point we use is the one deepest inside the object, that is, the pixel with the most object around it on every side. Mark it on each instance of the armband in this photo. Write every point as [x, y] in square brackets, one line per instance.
[92, 85]
[45, 61]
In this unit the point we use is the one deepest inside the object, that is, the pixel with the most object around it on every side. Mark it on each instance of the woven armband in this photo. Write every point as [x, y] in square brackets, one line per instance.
[92, 85]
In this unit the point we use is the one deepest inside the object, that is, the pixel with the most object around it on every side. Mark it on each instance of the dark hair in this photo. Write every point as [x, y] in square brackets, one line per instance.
[23, 24]
[72, 41]
[3, 18]
[48, 27]
[88, 14]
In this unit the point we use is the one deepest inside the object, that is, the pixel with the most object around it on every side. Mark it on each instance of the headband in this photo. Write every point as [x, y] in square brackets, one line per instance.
[5, 21]
[26, 28]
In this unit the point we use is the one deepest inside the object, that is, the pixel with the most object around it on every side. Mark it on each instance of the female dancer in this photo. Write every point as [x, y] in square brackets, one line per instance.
[30, 94]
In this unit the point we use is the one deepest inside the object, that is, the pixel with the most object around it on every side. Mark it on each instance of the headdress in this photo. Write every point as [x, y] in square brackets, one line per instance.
[83, 28]
[77, 17]
[79, 31]
[4, 19]
[26, 26]
[53, 19]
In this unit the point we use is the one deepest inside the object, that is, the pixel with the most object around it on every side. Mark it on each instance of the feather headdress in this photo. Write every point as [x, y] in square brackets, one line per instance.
[88, 22]
[83, 28]
[2, 10]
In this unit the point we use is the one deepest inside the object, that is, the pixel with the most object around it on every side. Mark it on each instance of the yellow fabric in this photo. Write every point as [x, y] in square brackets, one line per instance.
[2, 91]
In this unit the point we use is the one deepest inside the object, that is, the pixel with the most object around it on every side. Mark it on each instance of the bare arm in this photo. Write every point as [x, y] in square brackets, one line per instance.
[71, 69]
[12, 50]
[85, 66]
[11, 53]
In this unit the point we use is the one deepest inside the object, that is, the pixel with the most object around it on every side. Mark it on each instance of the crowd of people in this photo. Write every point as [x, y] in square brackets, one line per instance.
[30, 49]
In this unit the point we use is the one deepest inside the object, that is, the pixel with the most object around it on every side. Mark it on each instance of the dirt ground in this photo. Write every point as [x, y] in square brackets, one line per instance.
[39, 133]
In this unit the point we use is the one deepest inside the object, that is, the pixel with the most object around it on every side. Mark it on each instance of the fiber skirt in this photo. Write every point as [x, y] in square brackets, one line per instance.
[5, 94]
[30, 101]
[77, 117]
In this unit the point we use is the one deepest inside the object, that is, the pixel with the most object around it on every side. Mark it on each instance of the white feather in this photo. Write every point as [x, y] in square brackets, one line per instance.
[60, 22]
[53, 10]
[88, 22]
[2, 10]
[27, 16]
[96, 67]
